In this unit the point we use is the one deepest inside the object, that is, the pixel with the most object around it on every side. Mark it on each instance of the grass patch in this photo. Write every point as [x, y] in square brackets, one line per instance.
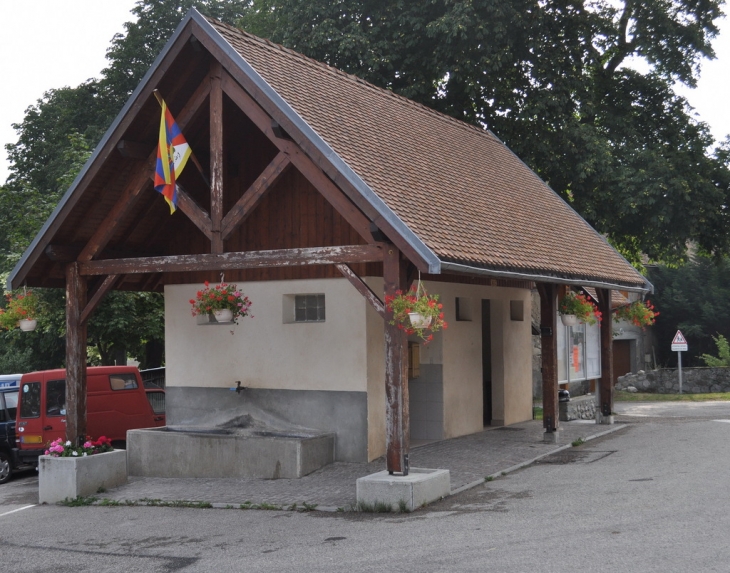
[78, 501]
[176, 503]
[621, 396]
[537, 413]
[578, 442]
[489, 478]
[376, 507]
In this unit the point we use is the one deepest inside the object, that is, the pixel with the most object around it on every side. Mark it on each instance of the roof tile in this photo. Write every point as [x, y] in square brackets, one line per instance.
[456, 186]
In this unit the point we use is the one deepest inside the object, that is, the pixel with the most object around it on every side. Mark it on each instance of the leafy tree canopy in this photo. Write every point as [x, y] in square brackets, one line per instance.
[552, 80]
[694, 298]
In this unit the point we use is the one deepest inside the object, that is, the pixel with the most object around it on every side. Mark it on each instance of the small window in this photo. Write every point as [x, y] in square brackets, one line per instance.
[309, 308]
[123, 382]
[56, 398]
[463, 309]
[30, 405]
[517, 310]
[11, 403]
[157, 401]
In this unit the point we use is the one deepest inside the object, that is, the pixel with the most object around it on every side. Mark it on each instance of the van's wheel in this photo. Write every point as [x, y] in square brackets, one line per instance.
[6, 470]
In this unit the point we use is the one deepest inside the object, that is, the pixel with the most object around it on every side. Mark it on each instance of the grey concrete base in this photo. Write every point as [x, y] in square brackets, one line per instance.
[605, 420]
[342, 413]
[420, 487]
[219, 453]
[61, 478]
[551, 437]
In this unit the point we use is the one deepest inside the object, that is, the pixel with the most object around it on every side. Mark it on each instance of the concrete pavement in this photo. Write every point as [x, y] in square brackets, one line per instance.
[650, 498]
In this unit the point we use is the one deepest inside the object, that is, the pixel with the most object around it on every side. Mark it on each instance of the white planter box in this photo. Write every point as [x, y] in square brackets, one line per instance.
[59, 478]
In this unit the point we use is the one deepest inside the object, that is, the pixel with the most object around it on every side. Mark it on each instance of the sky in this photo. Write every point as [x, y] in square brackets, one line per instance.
[70, 39]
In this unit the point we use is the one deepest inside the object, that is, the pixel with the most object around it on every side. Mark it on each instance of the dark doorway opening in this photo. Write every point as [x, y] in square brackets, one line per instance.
[487, 360]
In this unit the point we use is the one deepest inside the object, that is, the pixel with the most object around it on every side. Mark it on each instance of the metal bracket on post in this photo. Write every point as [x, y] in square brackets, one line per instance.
[605, 409]
[406, 465]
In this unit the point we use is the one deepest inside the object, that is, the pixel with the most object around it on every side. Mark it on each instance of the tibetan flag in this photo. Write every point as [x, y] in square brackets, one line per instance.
[172, 154]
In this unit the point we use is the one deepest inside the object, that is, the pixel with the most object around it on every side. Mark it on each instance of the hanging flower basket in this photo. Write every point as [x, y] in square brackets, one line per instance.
[638, 313]
[224, 301]
[579, 307]
[569, 319]
[21, 310]
[417, 312]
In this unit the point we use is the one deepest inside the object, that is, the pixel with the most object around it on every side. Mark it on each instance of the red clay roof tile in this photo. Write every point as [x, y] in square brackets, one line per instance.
[456, 186]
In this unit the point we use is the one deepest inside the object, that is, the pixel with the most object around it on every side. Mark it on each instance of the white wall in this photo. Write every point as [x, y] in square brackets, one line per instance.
[265, 352]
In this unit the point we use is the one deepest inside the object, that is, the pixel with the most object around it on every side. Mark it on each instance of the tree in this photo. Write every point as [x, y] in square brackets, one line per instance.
[694, 298]
[55, 138]
[550, 79]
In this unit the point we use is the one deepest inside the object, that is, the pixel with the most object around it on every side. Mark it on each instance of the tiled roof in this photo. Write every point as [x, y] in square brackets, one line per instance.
[456, 186]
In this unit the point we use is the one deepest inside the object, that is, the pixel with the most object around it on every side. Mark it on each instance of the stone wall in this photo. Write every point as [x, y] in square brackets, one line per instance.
[666, 381]
[580, 408]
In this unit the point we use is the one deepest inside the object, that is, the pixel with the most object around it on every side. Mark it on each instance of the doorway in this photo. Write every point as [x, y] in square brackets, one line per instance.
[621, 358]
[487, 360]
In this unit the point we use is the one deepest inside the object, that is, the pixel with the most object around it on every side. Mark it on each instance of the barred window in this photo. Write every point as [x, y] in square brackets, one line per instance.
[309, 308]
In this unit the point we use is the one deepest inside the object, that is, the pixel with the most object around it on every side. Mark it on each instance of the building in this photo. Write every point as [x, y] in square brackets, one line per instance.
[326, 187]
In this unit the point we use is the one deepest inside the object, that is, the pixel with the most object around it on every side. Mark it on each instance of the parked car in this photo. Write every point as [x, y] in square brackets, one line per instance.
[116, 401]
[9, 385]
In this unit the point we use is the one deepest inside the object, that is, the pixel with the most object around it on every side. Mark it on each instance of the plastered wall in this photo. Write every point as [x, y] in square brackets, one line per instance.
[264, 351]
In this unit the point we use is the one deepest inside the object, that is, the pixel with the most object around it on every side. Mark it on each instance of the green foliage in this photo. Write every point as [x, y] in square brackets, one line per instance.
[694, 298]
[550, 79]
[722, 360]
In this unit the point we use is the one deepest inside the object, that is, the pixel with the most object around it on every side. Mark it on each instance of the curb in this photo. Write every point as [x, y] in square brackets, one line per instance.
[526, 463]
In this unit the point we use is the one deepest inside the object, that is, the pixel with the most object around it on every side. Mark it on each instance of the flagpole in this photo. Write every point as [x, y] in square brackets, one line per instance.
[192, 154]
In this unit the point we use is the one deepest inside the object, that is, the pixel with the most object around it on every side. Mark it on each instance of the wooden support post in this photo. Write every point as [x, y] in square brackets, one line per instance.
[549, 339]
[216, 157]
[396, 371]
[605, 391]
[75, 355]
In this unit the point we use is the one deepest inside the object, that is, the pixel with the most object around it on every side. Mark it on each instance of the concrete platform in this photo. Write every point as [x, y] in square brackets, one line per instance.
[491, 453]
[402, 493]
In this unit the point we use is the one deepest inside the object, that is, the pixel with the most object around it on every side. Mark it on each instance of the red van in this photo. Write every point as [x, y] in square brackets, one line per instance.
[116, 401]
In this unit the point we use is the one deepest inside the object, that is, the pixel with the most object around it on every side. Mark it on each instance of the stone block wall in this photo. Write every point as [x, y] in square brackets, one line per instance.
[666, 381]
[580, 408]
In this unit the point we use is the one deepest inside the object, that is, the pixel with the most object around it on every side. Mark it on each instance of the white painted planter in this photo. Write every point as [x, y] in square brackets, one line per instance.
[61, 478]
[223, 315]
[419, 321]
[569, 319]
[28, 324]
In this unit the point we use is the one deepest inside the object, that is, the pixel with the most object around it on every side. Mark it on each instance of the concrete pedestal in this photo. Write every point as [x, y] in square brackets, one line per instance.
[551, 437]
[61, 478]
[601, 419]
[420, 487]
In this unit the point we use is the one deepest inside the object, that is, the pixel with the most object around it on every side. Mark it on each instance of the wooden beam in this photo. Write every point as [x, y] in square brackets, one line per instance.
[107, 284]
[75, 354]
[334, 195]
[236, 260]
[605, 393]
[194, 212]
[396, 371]
[548, 325]
[254, 194]
[362, 288]
[216, 157]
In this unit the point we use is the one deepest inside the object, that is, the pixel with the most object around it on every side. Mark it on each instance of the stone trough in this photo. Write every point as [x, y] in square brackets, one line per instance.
[227, 452]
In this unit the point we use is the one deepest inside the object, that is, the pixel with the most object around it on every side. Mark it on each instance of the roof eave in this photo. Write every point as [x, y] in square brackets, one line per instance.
[647, 287]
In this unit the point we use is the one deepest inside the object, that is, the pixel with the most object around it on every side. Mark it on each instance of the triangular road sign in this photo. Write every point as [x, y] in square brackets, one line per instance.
[679, 338]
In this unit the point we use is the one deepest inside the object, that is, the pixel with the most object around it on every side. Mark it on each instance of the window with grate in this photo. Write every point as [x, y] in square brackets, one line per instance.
[309, 308]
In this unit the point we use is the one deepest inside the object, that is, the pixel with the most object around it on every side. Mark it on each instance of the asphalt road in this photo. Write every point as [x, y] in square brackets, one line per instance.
[652, 497]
